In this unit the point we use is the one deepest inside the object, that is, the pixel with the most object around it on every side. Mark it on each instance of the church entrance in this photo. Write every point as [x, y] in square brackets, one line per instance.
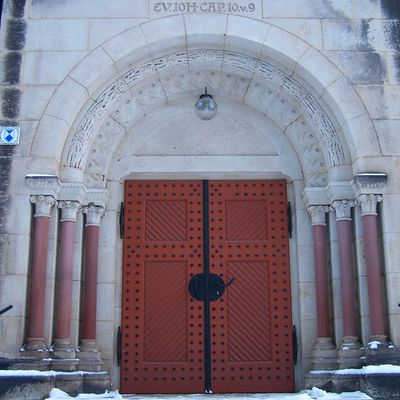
[206, 300]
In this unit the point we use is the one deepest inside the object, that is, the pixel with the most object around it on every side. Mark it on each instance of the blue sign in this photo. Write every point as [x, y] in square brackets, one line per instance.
[9, 135]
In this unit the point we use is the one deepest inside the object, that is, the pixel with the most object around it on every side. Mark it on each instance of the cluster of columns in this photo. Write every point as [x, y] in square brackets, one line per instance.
[62, 349]
[349, 353]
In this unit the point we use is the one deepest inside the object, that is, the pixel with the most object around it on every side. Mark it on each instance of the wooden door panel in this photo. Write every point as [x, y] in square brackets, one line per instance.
[251, 329]
[162, 326]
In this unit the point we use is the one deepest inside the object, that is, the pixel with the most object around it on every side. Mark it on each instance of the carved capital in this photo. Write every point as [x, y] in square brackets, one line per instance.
[318, 214]
[93, 215]
[343, 209]
[368, 203]
[69, 210]
[43, 205]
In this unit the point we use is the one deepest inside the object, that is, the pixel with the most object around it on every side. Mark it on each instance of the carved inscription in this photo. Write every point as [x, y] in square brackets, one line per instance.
[239, 7]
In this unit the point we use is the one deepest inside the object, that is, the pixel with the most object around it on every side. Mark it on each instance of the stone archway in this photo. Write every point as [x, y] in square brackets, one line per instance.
[125, 91]
[299, 71]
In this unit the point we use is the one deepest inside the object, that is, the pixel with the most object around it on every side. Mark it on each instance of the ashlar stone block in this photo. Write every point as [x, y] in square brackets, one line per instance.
[388, 134]
[307, 29]
[161, 36]
[201, 30]
[49, 67]
[61, 106]
[360, 67]
[57, 34]
[246, 33]
[85, 9]
[284, 47]
[103, 29]
[127, 48]
[95, 69]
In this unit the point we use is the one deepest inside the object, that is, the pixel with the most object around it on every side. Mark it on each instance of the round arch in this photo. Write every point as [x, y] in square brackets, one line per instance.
[141, 60]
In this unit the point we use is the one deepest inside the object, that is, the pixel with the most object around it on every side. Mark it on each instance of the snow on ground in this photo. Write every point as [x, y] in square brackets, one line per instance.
[312, 394]
[367, 370]
[31, 372]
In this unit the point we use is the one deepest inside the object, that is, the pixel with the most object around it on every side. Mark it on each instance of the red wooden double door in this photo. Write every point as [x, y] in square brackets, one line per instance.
[232, 230]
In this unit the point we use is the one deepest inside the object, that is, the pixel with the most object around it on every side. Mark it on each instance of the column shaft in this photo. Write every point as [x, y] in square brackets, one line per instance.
[375, 293]
[321, 279]
[64, 294]
[90, 291]
[38, 278]
[347, 278]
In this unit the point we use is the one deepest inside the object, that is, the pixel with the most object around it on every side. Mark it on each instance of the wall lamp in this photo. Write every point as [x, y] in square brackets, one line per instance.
[206, 108]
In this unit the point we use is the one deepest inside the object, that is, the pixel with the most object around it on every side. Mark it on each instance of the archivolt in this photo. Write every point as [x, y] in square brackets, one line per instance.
[252, 68]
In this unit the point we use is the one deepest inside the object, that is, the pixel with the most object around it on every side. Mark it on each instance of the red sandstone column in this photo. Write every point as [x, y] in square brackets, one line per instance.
[35, 344]
[62, 347]
[88, 340]
[318, 221]
[324, 352]
[350, 347]
[368, 203]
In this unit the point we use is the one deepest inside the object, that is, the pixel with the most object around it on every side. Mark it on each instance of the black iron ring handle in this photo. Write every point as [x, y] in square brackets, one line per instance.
[227, 284]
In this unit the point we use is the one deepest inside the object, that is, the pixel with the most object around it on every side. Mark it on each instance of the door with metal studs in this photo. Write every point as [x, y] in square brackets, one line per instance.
[206, 301]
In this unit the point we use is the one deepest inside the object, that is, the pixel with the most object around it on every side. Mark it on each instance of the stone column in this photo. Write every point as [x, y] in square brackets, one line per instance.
[62, 347]
[324, 352]
[349, 353]
[90, 354]
[35, 345]
[368, 203]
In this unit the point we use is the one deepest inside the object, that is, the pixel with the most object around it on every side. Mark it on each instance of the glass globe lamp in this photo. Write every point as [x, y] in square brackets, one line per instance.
[206, 108]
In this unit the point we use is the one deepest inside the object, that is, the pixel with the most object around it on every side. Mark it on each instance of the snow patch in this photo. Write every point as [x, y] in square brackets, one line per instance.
[374, 345]
[59, 394]
[312, 394]
[31, 372]
[369, 369]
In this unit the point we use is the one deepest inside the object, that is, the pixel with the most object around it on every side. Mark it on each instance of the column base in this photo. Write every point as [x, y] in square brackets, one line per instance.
[34, 348]
[90, 356]
[350, 353]
[324, 355]
[380, 351]
[65, 364]
[62, 349]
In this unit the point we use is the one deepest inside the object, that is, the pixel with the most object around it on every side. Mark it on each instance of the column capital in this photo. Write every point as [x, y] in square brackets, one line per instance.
[368, 203]
[317, 214]
[343, 209]
[43, 205]
[69, 210]
[93, 214]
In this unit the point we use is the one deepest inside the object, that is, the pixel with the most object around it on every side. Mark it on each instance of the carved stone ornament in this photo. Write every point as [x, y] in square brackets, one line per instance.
[69, 210]
[260, 69]
[93, 215]
[371, 180]
[43, 205]
[343, 209]
[318, 214]
[368, 203]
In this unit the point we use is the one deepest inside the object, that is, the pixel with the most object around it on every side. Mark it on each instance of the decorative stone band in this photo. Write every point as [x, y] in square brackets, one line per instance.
[318, 214]
[43, 205]
[343, 209]
[69, 210]
[93, 215]
[368, 203]
[269, 73]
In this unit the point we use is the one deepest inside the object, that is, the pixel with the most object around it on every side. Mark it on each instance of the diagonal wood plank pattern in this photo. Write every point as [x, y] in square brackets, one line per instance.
[165, 220]
[165, 312]
[248, 312]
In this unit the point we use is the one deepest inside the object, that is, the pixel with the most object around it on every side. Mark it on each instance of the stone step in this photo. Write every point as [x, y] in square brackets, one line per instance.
[36, 385]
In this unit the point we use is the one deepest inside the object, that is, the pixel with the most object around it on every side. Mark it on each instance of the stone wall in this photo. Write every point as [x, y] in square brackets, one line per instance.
[42, 41]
